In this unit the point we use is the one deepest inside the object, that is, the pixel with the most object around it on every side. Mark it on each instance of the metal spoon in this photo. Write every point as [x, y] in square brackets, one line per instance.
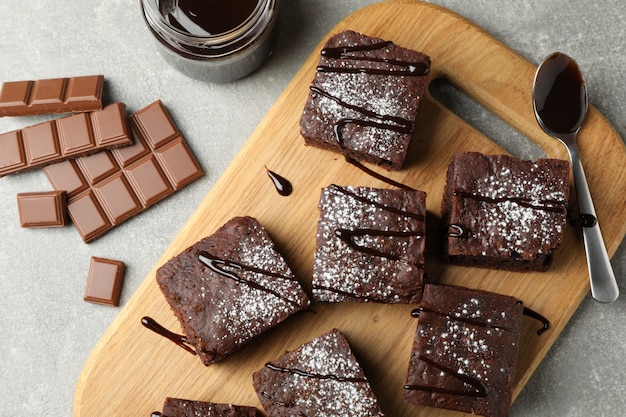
[560, 104]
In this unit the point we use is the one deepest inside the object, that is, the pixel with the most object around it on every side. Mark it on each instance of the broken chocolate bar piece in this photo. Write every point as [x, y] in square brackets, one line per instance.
[107, 188]
[42, 209]
[54, 95]
[68, 137]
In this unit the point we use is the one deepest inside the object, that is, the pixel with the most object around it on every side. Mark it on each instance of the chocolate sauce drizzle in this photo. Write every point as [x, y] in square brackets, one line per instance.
[306, 374]
[282, 184]
[415, 69]
[416, 313]
[377, 175]
[527, 312]
[380, 121]
[366, 200]
[348, 237]
[217, 265]
[480, 389]
[533, 314]
[178, 339]
[554, 206]
[348, 294]
[458, 230]
[584, 220]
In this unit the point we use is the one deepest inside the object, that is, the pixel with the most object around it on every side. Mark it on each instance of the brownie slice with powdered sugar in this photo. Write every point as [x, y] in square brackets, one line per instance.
[230, 287]
[502, 212]
[178, 407]
[322, 378]
[464, 353]
[370, 245]
[364, 99]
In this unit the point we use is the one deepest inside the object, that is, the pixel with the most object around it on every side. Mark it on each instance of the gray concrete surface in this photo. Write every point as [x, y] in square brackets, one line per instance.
[47, 331]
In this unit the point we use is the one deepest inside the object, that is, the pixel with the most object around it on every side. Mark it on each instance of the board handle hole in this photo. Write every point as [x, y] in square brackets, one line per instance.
[483, 120]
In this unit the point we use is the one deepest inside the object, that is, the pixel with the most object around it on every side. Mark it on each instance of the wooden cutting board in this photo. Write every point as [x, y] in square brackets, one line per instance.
[132, 370]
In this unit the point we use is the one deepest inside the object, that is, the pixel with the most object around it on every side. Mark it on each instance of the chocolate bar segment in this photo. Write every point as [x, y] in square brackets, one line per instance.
[109, 187]
[104, 282]
[42, 209]
[68, 137]
[54, 95]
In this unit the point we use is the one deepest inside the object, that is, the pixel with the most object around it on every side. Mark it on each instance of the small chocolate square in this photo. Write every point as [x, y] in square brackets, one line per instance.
[104, 282]
[42, 209]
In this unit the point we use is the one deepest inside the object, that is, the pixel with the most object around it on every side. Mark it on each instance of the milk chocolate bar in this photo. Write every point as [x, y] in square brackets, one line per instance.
[54, 95]
[109, 187]
[67, 137]
[42, 209]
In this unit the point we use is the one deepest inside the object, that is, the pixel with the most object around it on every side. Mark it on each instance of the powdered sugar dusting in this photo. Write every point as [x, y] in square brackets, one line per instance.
[340, 270]
[467, 342]
[517, 210]
[246, 310]
[332, 379]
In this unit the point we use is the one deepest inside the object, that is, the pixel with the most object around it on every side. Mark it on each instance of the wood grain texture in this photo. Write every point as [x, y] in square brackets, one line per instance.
[131, 370]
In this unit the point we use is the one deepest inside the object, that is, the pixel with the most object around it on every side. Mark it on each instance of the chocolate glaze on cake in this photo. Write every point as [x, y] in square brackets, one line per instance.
[321, 378]
[465, 351]
[370, 245]
[364, 99]
[229, 288]
[501, 212]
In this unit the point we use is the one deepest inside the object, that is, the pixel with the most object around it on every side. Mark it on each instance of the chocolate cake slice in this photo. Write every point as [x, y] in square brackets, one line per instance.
[465, 351]
[370, 245]
[364, 99]
[177, 407]
[501, 212]
[321, 378]
[229, 288]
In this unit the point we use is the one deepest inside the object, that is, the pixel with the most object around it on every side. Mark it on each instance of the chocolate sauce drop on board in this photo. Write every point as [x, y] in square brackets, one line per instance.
[207, 17]
[560, 94]
[546, 323]
[180, 340]
[282, 184]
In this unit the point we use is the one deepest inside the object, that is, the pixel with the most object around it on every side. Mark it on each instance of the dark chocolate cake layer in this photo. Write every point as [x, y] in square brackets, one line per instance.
[364, 99]
[229, 288]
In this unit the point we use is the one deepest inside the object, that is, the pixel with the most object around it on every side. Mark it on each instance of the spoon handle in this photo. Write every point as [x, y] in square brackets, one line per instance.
[603, 285]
